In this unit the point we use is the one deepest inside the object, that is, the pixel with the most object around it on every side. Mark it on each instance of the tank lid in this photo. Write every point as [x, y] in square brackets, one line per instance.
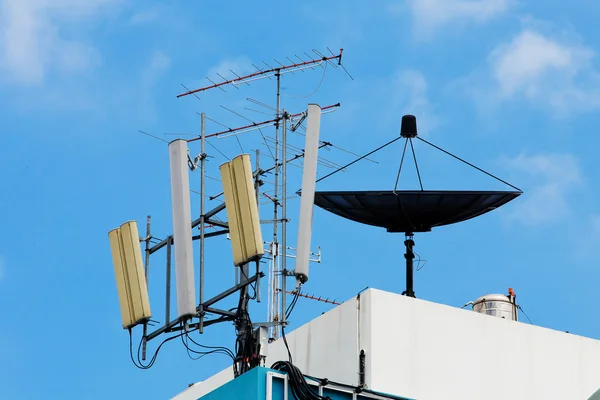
[492, 297]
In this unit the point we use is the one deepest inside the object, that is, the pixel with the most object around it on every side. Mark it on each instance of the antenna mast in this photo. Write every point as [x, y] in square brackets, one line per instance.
[242, 226]
[277, 248]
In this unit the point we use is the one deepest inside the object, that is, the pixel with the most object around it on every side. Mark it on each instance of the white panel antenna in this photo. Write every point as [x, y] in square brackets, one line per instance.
[182, 229]
[309, 176]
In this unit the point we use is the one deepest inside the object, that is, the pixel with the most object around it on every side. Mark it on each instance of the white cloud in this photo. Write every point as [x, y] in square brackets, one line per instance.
[144, 17]
[405, 91]
[32, 42]
[545, 70]
[430, 15]
[410, 97]
[553, 177]
[240, 65]
[520, 64]
[158, 64]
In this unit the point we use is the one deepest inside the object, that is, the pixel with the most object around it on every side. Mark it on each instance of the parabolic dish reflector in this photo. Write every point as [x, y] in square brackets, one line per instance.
[412, 211]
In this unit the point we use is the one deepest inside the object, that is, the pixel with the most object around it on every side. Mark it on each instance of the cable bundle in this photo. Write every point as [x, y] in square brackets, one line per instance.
[300, 388]
[246, 357]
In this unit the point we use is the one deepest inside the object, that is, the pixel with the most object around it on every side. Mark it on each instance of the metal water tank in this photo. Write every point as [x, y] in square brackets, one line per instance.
[497, 305]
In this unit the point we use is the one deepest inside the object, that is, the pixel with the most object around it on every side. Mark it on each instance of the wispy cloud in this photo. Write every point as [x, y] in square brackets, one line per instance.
[384, 99]
[150, 75]
[552, 179]
[431, 15]
[240, 65]
[542, 68]
[411, 97]
[551, 70]
[32, 43]
[158, 65]
[144, 17]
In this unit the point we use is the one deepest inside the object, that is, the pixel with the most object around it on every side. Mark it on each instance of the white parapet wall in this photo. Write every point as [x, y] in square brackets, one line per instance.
[428, 351]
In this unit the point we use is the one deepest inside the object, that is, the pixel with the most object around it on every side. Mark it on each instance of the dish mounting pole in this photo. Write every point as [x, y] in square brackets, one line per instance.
[409, 255]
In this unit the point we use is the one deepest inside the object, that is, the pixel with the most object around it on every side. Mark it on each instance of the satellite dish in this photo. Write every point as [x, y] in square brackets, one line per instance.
[411, 211]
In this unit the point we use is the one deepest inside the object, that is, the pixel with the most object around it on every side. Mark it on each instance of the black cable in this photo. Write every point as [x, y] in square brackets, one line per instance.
[287, 347]
[139, 364]
[187, 348]
[288, 312]
[469, 164]
[356, 389]
[225, 349]
[521, 308]
[358, 159]
[290, 308]
[245, 357]
[301, 390]
[204, 353]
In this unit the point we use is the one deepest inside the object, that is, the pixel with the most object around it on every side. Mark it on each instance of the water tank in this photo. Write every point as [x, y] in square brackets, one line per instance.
[497, 305]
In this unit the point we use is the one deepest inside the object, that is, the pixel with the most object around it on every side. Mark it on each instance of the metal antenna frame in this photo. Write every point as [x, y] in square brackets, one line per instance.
[268, 73]
[278, 251]
[277, 298]
[204, 306]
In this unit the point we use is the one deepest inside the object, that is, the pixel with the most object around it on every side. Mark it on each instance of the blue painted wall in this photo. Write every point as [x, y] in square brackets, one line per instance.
[253, 386]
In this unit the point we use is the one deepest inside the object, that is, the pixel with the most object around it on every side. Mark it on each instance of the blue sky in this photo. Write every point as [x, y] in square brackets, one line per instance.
[512, 86]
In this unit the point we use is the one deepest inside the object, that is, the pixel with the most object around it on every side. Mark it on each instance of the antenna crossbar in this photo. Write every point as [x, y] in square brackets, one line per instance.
[266, 73]
[256, 125]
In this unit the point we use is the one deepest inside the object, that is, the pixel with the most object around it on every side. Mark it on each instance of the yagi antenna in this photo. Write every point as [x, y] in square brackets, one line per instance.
[268, 73]
[257, 125]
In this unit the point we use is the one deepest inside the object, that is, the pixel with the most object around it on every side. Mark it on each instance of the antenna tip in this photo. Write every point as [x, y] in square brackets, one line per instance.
[408, 127]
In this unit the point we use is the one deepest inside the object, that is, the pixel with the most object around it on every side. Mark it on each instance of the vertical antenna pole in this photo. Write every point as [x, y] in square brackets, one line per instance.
[257, 191]
[146, 268]
[147, 240]
[202, 180]
[283, 216]
[275, 247]
[168, 280]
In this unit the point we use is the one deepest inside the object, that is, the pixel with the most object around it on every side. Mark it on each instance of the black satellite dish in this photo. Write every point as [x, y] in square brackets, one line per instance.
[411, 211]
